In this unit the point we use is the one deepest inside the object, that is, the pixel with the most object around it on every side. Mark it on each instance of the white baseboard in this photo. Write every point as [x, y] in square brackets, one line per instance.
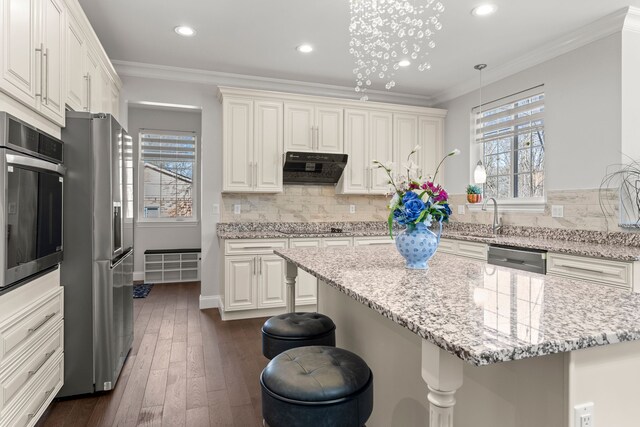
[138, 275]
[209, 301]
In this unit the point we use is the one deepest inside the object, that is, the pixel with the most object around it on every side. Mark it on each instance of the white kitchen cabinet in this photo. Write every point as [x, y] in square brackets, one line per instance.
[337, 242]
[368, 137]
[307, 284]
[410, 130]
[463, 248]
[254, 278]
[76, 74]
[373, 241]
[94, 82]
[252, 145]
[33, 45]
[271, 273]
[309, 127]
[31, 349]
[620, 274]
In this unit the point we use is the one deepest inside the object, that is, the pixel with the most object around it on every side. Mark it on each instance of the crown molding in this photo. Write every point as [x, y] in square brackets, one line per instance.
[190, 75]
[627, 18]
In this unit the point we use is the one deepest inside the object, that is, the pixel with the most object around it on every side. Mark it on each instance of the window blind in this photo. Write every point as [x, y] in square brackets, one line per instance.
[168, 147]
[518, 114]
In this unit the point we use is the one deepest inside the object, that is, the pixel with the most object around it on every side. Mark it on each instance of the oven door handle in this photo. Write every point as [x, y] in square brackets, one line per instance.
[33, 163]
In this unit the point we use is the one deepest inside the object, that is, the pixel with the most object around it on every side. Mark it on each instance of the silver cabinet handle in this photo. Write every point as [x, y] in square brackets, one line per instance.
[46, 76]
[257, 247]
[46, 396]
[90, 94]
[591, 270]
[46, 358]
[40, 51]
[86, 92]
[41, 324]
[255, 166]
[317, 138]
[260, 265]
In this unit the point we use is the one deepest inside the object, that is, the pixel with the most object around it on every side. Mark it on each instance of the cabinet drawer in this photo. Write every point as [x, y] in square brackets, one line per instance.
[34, 360]
[30, 405]
[304, 243]
[472, 250]
[372, 241]
[22, 328]
[263, 246]
[615, 273]
[447, 246]
[337, 242]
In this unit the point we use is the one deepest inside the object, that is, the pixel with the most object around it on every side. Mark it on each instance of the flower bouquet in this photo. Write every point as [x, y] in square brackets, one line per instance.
[416, 203]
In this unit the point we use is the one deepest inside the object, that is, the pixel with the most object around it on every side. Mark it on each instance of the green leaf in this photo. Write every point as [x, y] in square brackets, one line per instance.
[391, 224]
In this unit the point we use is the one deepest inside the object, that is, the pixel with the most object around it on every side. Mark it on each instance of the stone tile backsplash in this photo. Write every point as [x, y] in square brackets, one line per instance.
[300, 203]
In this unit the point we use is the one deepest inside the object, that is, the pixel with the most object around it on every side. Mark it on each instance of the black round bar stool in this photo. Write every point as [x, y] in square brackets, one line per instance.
[292, 330]
[316, 386]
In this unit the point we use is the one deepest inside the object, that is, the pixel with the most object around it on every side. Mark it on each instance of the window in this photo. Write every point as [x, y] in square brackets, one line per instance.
[128, 176]
[511, 132]
[168, 162]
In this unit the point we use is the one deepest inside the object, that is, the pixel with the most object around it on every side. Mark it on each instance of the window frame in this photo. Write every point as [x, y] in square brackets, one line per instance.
[195, 183]
[519, 204]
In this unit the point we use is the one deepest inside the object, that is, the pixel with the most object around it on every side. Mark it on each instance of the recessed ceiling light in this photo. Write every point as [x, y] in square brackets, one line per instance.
[185, 31]
[484, 10]
[404, 63]
[305, 48]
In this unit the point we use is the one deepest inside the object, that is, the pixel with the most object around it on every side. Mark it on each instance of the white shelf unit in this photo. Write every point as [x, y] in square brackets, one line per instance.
[171, 267]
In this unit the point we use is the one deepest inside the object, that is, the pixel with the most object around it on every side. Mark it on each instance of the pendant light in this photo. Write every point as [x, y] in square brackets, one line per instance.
[480, 173]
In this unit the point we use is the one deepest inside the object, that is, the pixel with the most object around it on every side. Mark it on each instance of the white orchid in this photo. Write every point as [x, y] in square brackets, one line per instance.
[455, 152]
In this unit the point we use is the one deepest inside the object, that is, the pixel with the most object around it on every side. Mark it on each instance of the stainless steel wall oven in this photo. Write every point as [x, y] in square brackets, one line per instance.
[31, 182]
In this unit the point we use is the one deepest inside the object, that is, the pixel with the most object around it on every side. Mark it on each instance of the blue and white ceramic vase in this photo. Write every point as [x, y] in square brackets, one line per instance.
[417, 245]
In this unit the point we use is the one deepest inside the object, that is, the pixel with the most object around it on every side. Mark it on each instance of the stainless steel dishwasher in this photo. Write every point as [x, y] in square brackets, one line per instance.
[532, 260]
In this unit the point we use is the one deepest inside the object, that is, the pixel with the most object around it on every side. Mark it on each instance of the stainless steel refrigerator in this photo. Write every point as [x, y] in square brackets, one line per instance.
[97, 270]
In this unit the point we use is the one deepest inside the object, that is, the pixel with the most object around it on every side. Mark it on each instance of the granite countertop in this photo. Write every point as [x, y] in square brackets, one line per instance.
[483, 314]
[618, 246]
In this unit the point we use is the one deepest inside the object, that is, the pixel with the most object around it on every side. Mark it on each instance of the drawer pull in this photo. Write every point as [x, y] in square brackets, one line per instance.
[46, 396]
[46, 358]
[257, 247]
[42, 323]
[590, 270]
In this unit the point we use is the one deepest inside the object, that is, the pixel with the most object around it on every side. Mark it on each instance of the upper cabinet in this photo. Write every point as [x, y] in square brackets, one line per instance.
[368, 137]
[47, 62]
[252, 145]
[309, 127]
[32, 40]
[260, 126]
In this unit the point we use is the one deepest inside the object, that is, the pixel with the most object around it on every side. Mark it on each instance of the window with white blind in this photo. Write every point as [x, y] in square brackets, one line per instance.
[511, 134]
[168, 164]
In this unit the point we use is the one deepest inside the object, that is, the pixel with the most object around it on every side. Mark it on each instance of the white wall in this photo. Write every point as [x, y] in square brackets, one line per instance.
[143, 89]
[582, 116]
[158, 235]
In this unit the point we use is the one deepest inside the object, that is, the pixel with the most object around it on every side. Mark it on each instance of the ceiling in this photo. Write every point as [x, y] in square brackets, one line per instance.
[258, 37]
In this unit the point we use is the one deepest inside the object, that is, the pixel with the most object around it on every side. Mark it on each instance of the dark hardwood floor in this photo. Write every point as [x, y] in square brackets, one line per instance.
[187, 368]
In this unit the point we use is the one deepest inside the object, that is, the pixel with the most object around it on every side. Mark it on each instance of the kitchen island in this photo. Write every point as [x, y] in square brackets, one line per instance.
[514, 349]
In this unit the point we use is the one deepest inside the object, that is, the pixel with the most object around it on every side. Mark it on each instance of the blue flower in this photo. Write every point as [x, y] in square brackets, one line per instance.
[399, 216]
[409, 195]
[447, 209]
[413, 208]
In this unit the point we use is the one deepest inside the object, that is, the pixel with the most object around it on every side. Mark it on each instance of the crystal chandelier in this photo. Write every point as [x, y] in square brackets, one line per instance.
[387, 32]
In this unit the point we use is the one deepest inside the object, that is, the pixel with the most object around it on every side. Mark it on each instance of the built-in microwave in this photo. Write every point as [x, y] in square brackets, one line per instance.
[31, 182]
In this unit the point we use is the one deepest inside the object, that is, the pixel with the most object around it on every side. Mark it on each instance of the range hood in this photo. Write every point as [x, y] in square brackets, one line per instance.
[313, 168]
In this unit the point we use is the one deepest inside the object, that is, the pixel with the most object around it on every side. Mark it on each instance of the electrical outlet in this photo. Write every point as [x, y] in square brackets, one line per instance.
[583, 415]
[237, 209]
[557, 211]
[352, 209]
[460, 209]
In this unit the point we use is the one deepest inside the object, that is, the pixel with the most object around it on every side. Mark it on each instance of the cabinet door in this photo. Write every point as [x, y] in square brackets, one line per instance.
[356, 176]
[306, 284]
[299, 123]
[94, 82]
[76, 81]
[240, 281]
[237, 145]
[268, 146]
[381, 149]
[430, 135]
[405, 138]
[53, 39]
[271, 282]
[19, 58]
[329, 130]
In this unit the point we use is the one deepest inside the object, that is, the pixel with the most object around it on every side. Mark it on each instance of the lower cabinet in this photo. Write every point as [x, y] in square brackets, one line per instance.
[463, 248]
[373, 241]
[307, 284]
[32, 350]
[620, 274]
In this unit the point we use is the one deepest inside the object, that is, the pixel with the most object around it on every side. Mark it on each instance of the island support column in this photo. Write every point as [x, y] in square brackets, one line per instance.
[292, 274]
[443, 374]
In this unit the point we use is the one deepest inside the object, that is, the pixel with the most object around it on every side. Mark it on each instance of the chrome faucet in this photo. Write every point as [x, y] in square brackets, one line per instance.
[497, 221]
